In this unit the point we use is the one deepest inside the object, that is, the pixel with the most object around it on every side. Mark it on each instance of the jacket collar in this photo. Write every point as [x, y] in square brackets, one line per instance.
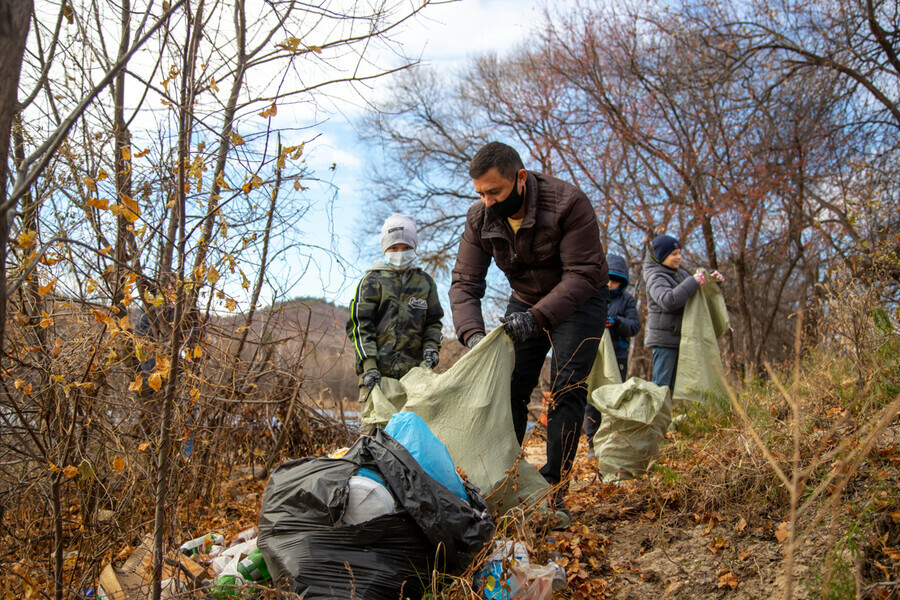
[493, 226]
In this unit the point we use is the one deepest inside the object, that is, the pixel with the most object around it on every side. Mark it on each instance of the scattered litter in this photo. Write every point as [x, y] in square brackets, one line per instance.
[304, 533]
[202, 544]
[133, 581]
[509, 575]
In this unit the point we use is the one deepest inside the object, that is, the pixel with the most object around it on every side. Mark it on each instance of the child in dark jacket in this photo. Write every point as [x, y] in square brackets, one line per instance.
[669, 287]
[623, 323]
[395, 315]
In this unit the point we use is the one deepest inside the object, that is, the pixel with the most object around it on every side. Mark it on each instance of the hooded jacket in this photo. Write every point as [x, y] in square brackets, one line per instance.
[623, 307]
[554, 263]
[667, 292]
[394, 315]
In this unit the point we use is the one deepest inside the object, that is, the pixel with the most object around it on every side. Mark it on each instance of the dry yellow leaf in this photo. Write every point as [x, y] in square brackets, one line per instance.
[126, 153]
[137, 385]
[220, 181]
[46, 289]
[101, 175]
[727, 579]
[236, 139]
[783, 532]
[46, 320]
[118, 464]
[89, 183]
[142, 153]
[26, 239]
[198, 352]
[269, 112]
[70, 471]
[212, 275]
[98, 203]
[143, 446]
[132, 210]
[155, 381]
[291, 44]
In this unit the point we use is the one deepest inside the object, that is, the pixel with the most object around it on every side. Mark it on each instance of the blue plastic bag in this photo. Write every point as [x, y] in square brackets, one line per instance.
[411, 432]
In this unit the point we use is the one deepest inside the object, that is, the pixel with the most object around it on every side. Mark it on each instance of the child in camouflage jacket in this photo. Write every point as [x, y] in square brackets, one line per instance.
[395, 315]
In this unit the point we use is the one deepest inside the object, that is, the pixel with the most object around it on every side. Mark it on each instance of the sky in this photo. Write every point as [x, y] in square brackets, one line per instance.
[445, 36]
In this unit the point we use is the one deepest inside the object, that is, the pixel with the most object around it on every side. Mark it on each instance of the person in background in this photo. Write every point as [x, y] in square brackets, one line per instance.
[623, 323]
[668, 289]
[395, 315]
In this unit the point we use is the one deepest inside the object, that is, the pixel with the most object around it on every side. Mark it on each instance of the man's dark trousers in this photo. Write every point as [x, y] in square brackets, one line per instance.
[574, 343]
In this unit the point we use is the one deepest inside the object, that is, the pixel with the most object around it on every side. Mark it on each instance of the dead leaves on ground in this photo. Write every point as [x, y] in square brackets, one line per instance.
[583, 558]
[726, 579]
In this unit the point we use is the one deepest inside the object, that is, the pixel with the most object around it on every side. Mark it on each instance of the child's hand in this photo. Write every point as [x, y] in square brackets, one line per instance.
[700, 277]
[717, 276]
[610, 321]
[371, 378]
[430, 357]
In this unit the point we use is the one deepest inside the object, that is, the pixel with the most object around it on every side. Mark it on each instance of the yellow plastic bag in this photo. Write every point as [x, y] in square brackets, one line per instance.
[698, 376]
[606, 368]
[468, 409]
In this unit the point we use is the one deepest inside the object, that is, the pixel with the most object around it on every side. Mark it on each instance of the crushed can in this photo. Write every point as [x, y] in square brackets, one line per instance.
[202, 545]
[253, 567]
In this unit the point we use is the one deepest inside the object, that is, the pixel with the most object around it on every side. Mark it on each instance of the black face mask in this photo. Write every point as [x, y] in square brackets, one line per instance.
[511, 204]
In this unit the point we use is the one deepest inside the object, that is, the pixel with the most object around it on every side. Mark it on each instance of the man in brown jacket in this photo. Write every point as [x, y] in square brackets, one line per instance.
[543, 234]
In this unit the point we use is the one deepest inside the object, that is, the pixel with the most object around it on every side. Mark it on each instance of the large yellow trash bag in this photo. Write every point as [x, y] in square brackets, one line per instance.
[636, 415]
[698, 376]
[380, 404]
[606, 368]
[468, 409]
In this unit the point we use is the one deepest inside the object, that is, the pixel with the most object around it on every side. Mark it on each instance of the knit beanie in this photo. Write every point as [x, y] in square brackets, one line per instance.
[663, 246]
[399, 229]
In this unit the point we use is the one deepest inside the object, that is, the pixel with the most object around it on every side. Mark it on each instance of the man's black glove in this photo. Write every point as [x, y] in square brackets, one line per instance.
[519, 325]
[371, 378]
[430, 357]
[474, 339]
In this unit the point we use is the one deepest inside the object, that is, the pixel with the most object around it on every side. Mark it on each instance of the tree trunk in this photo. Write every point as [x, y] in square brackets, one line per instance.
[15, 18]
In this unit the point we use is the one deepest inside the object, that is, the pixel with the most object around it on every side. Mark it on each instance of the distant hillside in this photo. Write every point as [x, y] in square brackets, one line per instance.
[308, 332]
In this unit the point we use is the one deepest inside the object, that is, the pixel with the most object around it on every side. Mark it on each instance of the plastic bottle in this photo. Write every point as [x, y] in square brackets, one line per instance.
[226, 587]
[202, 545]
[253, 567]
[246, 535]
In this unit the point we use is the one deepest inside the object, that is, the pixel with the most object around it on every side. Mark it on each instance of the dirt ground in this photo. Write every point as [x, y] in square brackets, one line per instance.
[650, 551]
[631, 541]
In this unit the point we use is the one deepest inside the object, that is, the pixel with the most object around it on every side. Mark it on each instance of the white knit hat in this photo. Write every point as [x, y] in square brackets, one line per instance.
[399, 229]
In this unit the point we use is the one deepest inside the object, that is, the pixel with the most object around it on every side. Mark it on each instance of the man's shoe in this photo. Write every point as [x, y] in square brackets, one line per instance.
[563, 516]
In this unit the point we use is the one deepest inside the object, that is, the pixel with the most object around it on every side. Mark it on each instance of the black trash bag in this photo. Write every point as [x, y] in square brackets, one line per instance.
[300, 532]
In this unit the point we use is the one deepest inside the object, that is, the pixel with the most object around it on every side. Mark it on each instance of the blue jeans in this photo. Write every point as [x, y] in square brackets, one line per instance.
[665, 362]
[574, 343]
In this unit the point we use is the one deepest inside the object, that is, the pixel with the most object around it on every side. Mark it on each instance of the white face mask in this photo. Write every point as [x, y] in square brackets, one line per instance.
[400, 260]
